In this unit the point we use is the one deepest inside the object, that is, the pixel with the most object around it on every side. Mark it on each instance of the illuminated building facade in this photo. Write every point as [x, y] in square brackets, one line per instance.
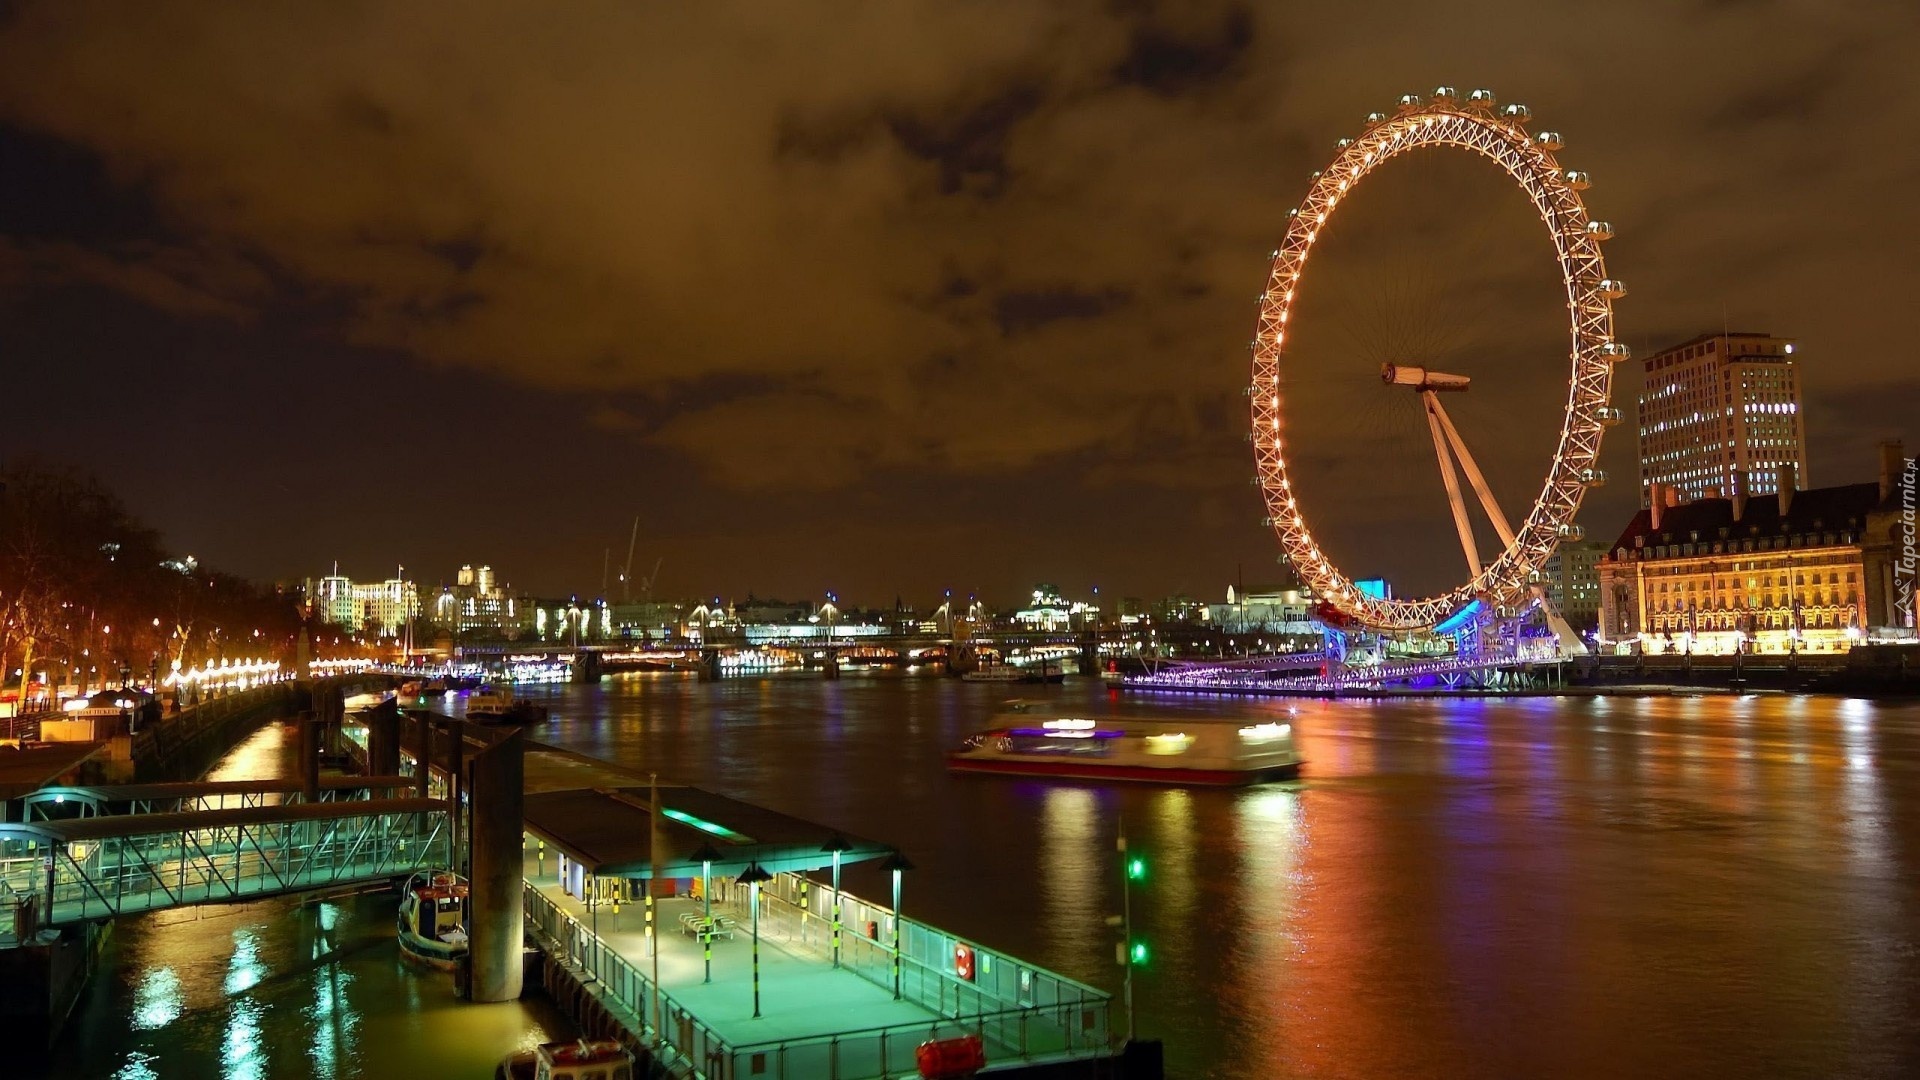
[1807, 571]
[1273, 610]
[478, 601]
[1720, 415]
[379, 608]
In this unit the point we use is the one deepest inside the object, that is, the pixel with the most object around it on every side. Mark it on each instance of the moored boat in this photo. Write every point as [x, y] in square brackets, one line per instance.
[601, 1059]
[431, 924]
[1182, 750]
[495, 704]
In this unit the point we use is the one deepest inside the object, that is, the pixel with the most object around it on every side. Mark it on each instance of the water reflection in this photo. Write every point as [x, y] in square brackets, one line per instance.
[275, 989]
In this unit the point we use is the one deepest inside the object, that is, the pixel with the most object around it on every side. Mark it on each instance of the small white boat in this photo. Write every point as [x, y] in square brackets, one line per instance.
[601, 1059]
[431, 924]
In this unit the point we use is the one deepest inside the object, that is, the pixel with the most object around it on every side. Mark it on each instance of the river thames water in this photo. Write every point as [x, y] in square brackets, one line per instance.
[1647, 887]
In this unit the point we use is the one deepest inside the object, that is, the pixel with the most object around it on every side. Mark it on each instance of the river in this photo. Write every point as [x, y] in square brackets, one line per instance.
[1650, 887]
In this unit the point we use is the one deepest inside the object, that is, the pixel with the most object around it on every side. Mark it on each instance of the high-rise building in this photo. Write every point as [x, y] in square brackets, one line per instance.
[1572, 581]
[1720, 416]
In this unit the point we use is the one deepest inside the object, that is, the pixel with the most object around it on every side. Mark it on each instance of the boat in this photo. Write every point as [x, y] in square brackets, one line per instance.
[1027, 740]
[599, 1059]
[495, 704]
[430, 924]
[1007, 673]
[995, 673]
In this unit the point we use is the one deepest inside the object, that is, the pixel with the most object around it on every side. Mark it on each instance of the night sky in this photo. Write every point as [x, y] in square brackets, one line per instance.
[892, 297]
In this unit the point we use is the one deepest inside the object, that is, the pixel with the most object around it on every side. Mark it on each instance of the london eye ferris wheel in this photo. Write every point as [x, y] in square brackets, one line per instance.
[1506, 579]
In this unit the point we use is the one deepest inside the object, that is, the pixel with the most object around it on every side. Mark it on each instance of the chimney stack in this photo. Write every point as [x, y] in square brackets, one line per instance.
[1893, 462]
[1785, 480]
[1741, 485]
[1656, 499]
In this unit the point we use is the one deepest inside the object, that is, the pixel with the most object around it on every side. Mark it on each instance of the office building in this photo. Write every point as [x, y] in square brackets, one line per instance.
[1721, 415]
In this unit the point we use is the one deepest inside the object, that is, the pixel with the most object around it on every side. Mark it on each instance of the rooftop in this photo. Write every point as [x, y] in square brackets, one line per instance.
[1844, 507]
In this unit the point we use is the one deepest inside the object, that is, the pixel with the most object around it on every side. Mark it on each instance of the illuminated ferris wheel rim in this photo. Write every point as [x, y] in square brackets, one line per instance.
[1443, 119]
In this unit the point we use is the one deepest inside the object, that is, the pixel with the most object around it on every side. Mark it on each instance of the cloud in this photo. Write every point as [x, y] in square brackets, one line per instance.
[799, 244]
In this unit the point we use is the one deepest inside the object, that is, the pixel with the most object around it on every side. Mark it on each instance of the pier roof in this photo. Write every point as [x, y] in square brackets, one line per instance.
[609, 832]
[23, 771]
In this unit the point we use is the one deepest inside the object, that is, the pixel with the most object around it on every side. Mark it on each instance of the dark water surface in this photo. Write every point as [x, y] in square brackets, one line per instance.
[1668, 887]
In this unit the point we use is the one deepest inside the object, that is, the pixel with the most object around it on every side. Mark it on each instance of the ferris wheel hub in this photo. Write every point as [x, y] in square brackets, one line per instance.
[1421, 379]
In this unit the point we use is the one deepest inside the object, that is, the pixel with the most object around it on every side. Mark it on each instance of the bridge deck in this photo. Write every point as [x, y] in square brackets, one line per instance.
[100, 867]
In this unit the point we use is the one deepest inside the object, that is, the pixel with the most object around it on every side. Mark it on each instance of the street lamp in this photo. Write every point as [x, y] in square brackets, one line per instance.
[836, 844]
[707, 857]
[897, 863]
[753, 878]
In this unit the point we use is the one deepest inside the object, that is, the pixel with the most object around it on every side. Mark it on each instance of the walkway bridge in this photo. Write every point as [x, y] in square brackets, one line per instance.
[151, 846]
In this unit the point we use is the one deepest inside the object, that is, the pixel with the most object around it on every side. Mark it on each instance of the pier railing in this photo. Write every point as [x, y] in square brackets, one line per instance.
[689, 1047]
[1021, 1011]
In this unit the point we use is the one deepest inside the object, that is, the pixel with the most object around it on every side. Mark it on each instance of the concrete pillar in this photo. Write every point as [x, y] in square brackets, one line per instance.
[830, 665]
[423, 742]
[309, 756]
[495, 878]
[383, 741]
[709, 665]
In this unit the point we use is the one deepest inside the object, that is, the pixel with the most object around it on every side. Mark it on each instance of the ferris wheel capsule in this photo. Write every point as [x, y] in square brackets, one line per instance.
[1593, 478]
[1374, 119]
[1482, 97]
[1577, 180]
[1517, 112]
[1573, 532]
[1615, 351]
[1609, 416]
[1410, 101]
[1444, 94]
[1600, 230]
[1549, 141]
[1613, 288]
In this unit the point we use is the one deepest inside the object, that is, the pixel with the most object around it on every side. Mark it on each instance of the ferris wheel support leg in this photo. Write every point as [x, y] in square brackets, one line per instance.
[1472, 470]
[1460, 522]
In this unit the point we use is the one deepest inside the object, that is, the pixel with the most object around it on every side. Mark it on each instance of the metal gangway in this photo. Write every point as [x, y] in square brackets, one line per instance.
[58, 803]
[78, 869]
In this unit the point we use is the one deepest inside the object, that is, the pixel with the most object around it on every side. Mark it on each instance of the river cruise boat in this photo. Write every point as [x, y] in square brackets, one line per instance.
[1008, 673]
[495, 704]
[601, 1059]
[1185, 750]
[431, 923]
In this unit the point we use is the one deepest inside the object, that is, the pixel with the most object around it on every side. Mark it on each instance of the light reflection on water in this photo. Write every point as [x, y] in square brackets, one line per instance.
[280, 989]
[1529, 887]
[1571, 888]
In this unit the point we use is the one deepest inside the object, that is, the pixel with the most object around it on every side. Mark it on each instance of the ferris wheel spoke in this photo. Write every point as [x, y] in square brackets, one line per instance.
[1452, 482]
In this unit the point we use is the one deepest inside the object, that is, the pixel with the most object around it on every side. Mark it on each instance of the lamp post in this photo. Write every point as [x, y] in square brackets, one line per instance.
[707, 857]
[836, 845]
[753, 878]
[897, 863]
